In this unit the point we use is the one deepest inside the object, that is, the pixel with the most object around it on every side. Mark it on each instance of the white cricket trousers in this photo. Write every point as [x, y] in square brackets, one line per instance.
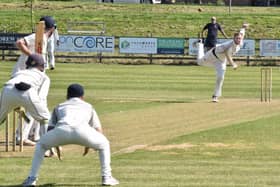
[33, 127]
[12, 98]
[83, 135]
[50, 59]
[210, 60]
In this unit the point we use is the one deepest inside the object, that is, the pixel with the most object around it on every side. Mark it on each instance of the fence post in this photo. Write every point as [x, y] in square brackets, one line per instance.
[99, 56]
[151, 58]
[151, 55]
[3, 54]
[248, 60]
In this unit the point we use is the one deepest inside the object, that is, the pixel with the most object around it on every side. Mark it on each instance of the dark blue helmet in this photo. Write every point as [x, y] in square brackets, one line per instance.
[35, 60]
[75, 90]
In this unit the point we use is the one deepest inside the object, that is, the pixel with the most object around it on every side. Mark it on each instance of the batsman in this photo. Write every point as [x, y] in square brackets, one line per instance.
[34, 43]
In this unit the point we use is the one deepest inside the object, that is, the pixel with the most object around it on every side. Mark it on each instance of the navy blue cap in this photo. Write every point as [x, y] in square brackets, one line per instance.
[75, 90]
[49, 21]
[34, 60]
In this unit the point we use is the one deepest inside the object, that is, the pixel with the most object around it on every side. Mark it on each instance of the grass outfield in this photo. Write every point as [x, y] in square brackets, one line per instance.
[164, 131]
[158, 20]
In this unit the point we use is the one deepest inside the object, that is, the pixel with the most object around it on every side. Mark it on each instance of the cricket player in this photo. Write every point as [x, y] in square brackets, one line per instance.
[26, 88]
[27, 46]
[218, 57]
[30, 128]
[53, 42]
[74, 122]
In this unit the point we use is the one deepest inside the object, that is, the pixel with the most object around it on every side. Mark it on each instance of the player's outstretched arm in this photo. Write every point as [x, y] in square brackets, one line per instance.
[242, 30]
[224, 34]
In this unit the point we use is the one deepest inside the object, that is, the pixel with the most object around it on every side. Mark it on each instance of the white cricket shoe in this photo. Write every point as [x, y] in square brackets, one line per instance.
[109, 181]
[30, 181]
[215, 99]
[51, 152]
[48, 153]
[28, 142]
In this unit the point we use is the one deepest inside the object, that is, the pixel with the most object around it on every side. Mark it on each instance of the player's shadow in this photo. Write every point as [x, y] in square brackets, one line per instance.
[70, 185]
[56, 185]
[45, 185]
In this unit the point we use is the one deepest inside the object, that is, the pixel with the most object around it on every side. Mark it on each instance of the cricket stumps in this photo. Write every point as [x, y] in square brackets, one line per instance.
[266, 84]
[18, 115]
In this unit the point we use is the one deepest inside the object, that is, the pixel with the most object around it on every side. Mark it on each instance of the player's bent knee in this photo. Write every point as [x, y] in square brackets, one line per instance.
[105, 144]
[42, 146]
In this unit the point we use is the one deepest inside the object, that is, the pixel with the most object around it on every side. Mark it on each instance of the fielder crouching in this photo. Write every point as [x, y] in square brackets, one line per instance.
[29, 89]
[75, 122]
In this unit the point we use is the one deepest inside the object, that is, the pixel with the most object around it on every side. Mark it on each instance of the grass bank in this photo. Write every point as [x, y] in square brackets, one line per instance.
[143, 19]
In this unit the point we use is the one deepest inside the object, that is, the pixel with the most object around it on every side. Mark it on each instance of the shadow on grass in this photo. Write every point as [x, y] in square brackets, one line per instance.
[56, 185]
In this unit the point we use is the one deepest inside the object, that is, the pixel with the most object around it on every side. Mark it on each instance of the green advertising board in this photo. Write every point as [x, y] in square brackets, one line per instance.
[170, 45]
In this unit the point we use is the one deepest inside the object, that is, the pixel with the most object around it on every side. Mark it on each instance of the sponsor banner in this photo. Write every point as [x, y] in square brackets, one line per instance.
[138, 45]
[247, 49]
[7, 40]
[72, 43]
[269, 47]
[170, 46]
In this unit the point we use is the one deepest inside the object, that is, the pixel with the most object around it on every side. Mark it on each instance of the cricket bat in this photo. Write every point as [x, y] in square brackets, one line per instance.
[39, 37]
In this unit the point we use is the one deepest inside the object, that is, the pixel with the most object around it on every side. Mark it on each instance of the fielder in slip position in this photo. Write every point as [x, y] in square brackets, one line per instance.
[218, 57]
[74, 122]
[26, 88]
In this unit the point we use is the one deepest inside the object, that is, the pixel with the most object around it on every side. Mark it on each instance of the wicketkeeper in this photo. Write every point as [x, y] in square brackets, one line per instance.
[74, 122]
[26, 88]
